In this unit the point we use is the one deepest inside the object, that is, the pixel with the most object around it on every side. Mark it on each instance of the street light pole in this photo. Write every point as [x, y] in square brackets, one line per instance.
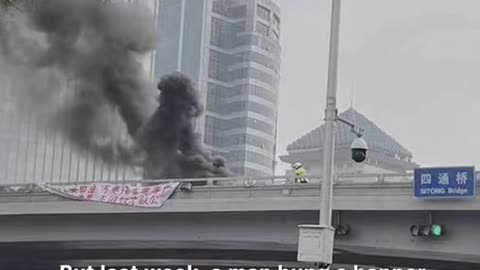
[316, 242]
[330, 119]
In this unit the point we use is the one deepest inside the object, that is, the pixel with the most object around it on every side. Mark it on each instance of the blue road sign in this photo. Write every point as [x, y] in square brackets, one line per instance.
[448, 182]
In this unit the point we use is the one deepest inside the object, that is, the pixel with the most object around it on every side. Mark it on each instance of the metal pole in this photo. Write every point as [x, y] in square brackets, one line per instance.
[36, 128]
[27, 145]
[45, 144]
[61, 157]
[19, 122]
[54, 151]
[9, 142]
[180, 38]
[330, 119]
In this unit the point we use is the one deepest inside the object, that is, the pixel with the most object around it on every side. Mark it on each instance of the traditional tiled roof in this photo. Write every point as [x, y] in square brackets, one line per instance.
[376, 138]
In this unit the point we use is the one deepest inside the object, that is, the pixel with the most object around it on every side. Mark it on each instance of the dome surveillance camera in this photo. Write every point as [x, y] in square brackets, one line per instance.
[359, 150]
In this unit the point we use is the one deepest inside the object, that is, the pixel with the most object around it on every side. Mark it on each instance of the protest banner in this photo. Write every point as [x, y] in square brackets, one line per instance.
[135, 195]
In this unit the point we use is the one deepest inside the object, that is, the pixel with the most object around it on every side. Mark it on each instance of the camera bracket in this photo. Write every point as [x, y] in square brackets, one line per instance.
[355, 129]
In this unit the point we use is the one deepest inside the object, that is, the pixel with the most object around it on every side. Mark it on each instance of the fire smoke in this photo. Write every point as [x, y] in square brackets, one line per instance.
[96, 49]
[169, 137]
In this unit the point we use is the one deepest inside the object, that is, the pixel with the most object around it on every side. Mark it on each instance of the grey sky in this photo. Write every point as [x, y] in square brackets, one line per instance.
[412, 64]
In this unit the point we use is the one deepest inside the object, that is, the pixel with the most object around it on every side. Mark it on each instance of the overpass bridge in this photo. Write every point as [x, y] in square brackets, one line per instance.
[237, 219]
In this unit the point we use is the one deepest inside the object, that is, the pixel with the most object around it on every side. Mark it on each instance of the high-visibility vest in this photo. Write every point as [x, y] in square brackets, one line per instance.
[301, 175]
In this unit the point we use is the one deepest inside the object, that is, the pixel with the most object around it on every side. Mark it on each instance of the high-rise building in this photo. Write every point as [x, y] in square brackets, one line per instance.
[231, 49]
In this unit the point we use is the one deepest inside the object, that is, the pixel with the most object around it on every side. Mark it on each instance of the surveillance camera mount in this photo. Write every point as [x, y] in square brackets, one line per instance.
[355, 129]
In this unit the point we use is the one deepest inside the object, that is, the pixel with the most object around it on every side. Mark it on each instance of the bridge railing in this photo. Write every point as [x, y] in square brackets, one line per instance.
[212, 184]
[270, 180]
[245, 181]
[290, 180]
[345, 179]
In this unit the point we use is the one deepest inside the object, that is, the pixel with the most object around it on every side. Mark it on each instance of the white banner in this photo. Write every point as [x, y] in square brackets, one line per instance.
[123, 194]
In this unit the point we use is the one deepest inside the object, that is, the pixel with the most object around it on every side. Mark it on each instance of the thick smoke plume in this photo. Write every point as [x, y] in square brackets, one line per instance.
[93, 50]
[169, 137]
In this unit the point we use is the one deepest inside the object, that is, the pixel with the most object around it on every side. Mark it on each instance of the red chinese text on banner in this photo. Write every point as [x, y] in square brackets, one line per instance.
[123, 194]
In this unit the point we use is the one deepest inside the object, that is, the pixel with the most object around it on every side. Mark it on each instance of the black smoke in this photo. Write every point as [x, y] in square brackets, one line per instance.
[169, 138]
[93, 50]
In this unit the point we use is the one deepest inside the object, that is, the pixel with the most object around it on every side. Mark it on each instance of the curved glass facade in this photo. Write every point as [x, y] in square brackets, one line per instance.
[244, 55]
[239, 77]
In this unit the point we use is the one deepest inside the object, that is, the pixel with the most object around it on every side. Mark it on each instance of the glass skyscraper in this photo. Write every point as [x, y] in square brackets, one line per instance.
[231, 49]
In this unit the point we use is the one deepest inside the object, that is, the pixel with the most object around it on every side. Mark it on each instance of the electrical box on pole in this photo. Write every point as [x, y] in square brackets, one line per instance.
[315, 244]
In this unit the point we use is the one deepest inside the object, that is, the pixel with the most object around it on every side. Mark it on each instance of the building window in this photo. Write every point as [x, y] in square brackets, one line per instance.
[239, 74]
[274, 35]
[269, 45]
[224, 34]
[249, 139]
[263, 77]
[237, 139]
[208, 137]
[262, 28]
[246, 40]
[213, 64]
[239, 106]
[236, 156]
[276, 21]
[258, 58]
[218, 63]
[216, 98]
[219, 7]
[238, 12]
[259, 159]
[264, 94]
[258, 142]
[240, 90]
[213, 131]
[239, 27]
[243, 106]
[245, 90]
[261, 109]
[252, 123]
[252, 106]
[236, 123]
[263, 12]
[260, 126]
[216, 31]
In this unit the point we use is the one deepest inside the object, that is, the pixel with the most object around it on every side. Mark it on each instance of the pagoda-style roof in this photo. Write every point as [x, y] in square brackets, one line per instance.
[376, 138]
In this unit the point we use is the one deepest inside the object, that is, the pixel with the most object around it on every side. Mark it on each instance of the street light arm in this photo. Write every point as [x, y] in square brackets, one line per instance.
[355, 129]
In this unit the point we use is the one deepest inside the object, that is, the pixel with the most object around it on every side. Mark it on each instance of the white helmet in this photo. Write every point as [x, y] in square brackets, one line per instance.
[297, 165]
